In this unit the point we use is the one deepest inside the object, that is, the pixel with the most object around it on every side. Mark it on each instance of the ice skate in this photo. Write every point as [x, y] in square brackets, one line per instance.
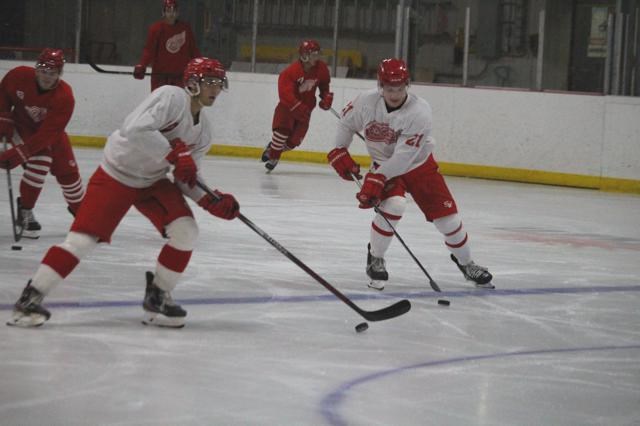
[270, 165]
[265, 153]
[27, 220]
[159, 307]
[376, 271]
[28, 311]
[478, 274]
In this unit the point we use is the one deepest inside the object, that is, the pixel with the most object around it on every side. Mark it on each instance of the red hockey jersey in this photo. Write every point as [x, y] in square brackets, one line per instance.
[169, 47]
[296, 85]
[40, 116]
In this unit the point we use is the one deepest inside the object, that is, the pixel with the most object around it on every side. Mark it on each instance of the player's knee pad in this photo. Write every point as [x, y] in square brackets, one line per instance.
[393, 207]
[452, 229]
[448, 224]
[79, 244]
[183, 233]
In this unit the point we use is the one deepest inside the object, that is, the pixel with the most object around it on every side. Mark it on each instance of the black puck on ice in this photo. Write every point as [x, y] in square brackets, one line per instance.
[443, 302]
[16, 247]
[362, 327]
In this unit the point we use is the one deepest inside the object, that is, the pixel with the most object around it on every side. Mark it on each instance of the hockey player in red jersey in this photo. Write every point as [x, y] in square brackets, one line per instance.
[35, 107]
[169, 47]
[297, 91]
[166, 130]
[397, 133]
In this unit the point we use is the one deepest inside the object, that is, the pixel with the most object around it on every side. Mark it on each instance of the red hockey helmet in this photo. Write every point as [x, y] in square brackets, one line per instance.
[51, 59]
[204, 69]
[393, 72]
[166, 4]
[307, 47]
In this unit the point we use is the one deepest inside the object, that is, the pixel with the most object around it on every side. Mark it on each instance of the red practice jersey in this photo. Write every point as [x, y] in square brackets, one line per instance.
[169, 47]
[40, 116]
[296, 85]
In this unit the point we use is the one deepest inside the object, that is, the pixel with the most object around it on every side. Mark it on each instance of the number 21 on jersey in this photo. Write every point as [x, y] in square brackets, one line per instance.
[414, 140]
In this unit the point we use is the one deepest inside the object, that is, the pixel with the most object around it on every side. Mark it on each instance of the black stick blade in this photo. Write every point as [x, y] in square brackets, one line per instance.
[392, 311]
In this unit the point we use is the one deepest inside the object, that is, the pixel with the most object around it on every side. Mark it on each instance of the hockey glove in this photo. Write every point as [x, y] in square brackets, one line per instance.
[13, 157]
[340, 160]
[326, 101]
[301, 112]
[225, 206]
[185, 169]
[138, 71]
[370, 194]
[7, 125]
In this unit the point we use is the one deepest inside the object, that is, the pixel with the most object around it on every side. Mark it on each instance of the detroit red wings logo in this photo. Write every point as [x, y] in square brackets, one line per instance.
[37, 114]
[380, 132]
[174, 43]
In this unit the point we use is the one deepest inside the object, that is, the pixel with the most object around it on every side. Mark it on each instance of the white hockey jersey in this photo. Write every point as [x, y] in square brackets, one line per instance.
[397, 141]
[135, 154]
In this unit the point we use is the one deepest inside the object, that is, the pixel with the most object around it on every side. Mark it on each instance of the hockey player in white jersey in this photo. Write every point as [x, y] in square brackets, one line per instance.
[167, 130]
[397, 133]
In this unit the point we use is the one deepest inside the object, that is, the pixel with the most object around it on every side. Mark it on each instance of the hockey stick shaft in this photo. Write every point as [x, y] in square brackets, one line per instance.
[103, 71]
[432, 283]
[17, 235]
[392, 311]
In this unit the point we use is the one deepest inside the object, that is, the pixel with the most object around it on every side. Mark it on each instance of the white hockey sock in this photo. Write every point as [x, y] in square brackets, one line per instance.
[75, 246]
[182, 233]
[45, 279]
[455, 237]
[381, 233]
[165, 278]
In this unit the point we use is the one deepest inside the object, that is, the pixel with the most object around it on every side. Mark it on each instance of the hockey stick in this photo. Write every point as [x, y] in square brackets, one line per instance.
[432, 283]
[103, 71]
[17, 229]
[392, 311]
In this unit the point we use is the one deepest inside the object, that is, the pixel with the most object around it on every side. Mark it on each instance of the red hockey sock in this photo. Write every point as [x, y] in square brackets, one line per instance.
[174, 259]
[33, 178]
[72, 189]
[60, 261]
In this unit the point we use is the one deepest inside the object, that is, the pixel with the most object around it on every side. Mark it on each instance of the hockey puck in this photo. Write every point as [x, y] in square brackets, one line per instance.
[16, 247]
[443, 302]
[362, 327]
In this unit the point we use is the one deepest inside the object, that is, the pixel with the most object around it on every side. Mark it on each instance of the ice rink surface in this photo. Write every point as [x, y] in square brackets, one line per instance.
[557, 342]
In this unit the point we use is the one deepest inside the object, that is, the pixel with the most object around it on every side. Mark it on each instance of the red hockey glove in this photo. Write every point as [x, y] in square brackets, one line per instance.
[370, 194]
[326, 101]
[225, 206]
[301, 112]
[7, 125]
[138, 72]
[14, 157]
[340, 160]
[185, 169]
